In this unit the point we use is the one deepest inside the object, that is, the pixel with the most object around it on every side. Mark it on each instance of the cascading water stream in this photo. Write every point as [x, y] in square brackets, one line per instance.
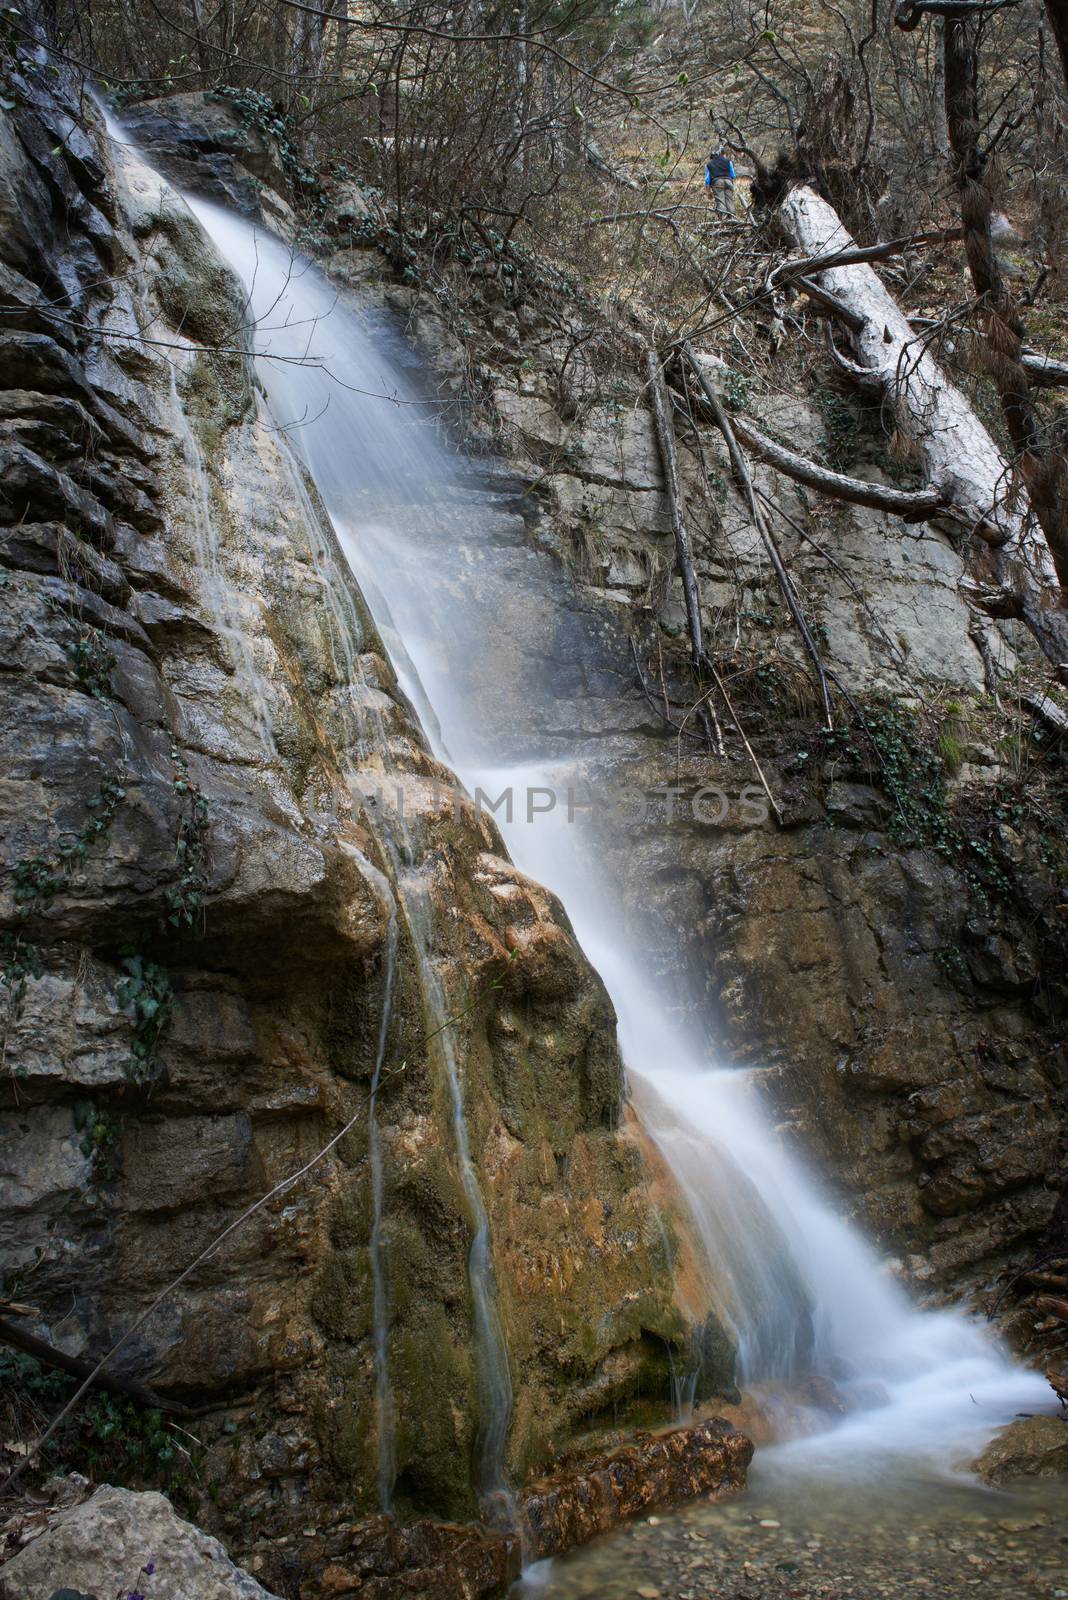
[385, 1427]
[799, 1287]
[365, 748]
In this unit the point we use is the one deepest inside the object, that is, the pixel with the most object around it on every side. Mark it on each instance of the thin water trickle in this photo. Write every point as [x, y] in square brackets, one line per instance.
[385, 1419]
[429, 546]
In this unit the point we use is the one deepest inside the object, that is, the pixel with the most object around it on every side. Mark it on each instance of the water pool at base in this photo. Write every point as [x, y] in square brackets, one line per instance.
[792, 1538]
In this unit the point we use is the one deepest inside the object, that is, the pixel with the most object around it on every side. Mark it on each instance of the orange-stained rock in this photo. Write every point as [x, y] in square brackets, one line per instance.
[655, 1469]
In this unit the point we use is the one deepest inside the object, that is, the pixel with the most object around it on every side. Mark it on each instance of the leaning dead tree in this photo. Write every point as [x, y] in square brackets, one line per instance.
[972, 492]
[1038, 450]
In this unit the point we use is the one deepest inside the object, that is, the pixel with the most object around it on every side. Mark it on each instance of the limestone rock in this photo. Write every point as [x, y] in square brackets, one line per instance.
[1030, 1447]
[200, 143]
[653, 1470]
[180, 629]
[103, 1546]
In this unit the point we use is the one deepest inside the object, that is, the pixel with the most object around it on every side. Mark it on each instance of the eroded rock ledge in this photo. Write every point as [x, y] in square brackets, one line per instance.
[98, 1542]
[195, 913]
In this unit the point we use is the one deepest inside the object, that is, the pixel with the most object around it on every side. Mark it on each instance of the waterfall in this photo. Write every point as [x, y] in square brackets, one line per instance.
[433, 546]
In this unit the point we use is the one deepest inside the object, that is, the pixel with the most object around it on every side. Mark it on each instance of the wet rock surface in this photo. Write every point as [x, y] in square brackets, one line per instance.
[377, 1560]
[195, 931]
[202, 143]
[1031, 1447]
[655, 1470]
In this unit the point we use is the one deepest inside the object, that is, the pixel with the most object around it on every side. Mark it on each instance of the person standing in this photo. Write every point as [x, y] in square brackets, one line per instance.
[719, 181]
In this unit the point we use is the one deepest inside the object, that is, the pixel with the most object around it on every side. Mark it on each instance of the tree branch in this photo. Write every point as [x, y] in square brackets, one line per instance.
[760, 522]
[861, 253]
[49, 1356]
[910, 13]
[914, 505]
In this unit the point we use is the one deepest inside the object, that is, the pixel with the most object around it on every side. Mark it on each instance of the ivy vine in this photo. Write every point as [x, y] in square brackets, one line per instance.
[185, 897]
[38, 879]
[257, 110]
[146, 992]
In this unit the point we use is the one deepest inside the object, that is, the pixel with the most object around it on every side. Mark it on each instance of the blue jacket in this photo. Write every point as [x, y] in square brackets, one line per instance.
[717, 167]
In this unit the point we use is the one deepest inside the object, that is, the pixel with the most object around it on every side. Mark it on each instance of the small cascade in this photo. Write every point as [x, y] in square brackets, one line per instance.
[491, 1349]
[385, 1416]
[800, 1289]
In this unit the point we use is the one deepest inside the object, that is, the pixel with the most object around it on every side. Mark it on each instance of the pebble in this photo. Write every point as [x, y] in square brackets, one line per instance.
[929, 1542]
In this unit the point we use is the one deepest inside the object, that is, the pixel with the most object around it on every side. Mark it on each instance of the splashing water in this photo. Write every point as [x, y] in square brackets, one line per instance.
[435, 548]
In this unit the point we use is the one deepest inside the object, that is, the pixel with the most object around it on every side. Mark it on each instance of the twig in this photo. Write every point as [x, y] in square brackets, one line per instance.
[741, 731]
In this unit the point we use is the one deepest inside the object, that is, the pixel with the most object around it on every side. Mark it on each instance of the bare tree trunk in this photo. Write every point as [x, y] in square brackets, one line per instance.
[941, 132]
[1042, 465]
[962, 461]
[1057, 13]
[200, 34]
[669, 458]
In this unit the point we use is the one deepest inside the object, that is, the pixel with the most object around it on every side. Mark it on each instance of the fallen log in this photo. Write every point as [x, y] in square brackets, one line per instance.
[1047, 711]
[49, 1356]
[669, 459]
[961, 460]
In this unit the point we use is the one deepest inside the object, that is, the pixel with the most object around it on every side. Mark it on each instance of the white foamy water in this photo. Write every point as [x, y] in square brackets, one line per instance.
[453, 592]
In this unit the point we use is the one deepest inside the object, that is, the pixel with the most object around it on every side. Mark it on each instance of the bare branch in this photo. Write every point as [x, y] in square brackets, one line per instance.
[910, 13]
[857, 254]
[760, 522]
[914, 505]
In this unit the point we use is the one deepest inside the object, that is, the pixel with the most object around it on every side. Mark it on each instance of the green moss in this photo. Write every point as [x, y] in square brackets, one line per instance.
[950, 751]
[342, 1300]
[434, 1384]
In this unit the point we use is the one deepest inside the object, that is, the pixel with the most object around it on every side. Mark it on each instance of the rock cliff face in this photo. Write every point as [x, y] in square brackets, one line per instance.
[200, 935]
[891, 958]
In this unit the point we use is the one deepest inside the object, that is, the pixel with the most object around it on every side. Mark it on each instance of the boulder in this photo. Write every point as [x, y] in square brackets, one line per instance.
[105, 1545]
[1030, 1447]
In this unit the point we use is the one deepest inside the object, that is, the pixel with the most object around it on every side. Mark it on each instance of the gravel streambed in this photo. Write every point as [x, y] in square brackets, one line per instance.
[876, 1539]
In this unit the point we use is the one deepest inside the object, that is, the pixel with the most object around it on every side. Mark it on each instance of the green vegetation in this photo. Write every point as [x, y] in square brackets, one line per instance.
[38, 879]
[101, 1131]
[93, 662]
[146, 992]
[19, 961]
[109, 1438]
[185, 897]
